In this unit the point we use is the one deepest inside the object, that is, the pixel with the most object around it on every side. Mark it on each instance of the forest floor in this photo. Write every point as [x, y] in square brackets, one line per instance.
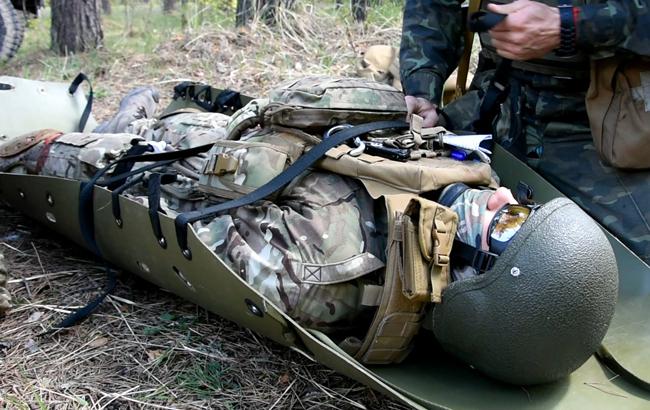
[145, 347]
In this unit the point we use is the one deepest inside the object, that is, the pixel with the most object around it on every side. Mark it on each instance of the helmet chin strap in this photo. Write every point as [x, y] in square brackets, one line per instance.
[477, 258]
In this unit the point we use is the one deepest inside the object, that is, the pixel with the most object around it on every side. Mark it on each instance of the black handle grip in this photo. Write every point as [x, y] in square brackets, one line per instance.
[482, 21]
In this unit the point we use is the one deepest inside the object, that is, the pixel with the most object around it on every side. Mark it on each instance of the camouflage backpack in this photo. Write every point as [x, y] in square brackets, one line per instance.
[320, 101]
[286, 123]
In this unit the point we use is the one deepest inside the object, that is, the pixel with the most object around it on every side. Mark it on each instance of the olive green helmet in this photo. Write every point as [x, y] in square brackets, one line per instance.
[544, 306]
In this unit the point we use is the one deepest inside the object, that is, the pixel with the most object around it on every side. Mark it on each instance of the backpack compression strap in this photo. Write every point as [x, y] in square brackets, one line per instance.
[183, 220]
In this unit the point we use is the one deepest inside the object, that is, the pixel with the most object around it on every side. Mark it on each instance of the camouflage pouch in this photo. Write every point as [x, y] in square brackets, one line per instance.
[236, 168]
[79, 155]
[321, 101]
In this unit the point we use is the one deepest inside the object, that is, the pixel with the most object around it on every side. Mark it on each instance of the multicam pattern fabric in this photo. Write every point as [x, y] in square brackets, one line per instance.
[543, 120]
[304, 251]
[189, 130]
[307, 252]
[324, 101]
[235, 168]
[79, 155]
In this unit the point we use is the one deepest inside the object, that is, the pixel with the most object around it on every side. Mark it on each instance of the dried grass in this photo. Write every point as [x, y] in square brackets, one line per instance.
[146, 348]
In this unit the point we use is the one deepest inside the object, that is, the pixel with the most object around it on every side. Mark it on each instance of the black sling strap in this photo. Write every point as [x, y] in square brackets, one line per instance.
[183, 220]
[498, 88]
[155, 181]
[115, 198]
[477, 258]
[605, 357]
[86, 217]
[80, 78]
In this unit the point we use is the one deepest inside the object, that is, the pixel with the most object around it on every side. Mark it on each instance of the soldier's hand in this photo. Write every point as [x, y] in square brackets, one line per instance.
[531, 30]
[422, 107]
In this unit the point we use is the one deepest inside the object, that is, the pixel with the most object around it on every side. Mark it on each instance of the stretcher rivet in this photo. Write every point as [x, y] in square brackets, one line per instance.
[21, 194]
[118, 222]
[187, 253]
[162, 242]
[252, 307]
[515, 271]
[50, 199]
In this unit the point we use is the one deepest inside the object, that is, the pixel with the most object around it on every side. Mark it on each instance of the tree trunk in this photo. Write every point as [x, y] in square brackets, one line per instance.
[245, 12]
[76, 26]
[106, 7]
[359, 10]
[169, 6]
[268, 9]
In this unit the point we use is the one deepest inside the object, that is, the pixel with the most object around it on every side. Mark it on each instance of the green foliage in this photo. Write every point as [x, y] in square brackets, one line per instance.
[207, 378]
[133, 28]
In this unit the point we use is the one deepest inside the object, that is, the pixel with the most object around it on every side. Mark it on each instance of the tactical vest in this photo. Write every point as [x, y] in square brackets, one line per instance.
[571, 67]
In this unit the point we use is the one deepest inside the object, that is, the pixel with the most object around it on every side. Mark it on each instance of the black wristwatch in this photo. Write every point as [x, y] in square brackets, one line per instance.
[567, 30]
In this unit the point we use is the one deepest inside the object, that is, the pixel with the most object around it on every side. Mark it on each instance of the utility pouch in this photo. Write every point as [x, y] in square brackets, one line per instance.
[428, 234]
[420, 234]
[618, 105]
[236, 168]
[382, 176]
[318, 102]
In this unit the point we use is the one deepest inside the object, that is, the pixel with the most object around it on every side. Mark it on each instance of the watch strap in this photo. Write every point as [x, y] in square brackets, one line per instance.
[567, 29]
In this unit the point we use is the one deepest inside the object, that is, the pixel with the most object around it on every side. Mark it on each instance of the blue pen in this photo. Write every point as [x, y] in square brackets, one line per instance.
[458, 155]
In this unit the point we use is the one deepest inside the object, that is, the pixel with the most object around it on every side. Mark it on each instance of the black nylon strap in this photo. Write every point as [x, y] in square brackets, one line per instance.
[115, 197]
[86, 217]
[183, 220]
[154, 183]
[82, 313]
[124, 167]
[80, 78]
[606, 358]
[479, 259]
[497, 91]
[495, 94]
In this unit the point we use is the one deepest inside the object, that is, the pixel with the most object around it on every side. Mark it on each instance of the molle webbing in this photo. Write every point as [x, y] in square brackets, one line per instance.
[410, 282]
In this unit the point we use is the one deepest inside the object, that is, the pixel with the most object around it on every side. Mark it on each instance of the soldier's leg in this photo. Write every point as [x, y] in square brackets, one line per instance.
[615, 198]
[138, 104]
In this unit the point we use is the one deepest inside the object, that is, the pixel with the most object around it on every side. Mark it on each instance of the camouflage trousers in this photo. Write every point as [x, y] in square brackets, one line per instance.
[543, 121]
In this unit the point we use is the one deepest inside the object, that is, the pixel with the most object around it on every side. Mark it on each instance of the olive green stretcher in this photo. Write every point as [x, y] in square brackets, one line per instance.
[427, 379]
